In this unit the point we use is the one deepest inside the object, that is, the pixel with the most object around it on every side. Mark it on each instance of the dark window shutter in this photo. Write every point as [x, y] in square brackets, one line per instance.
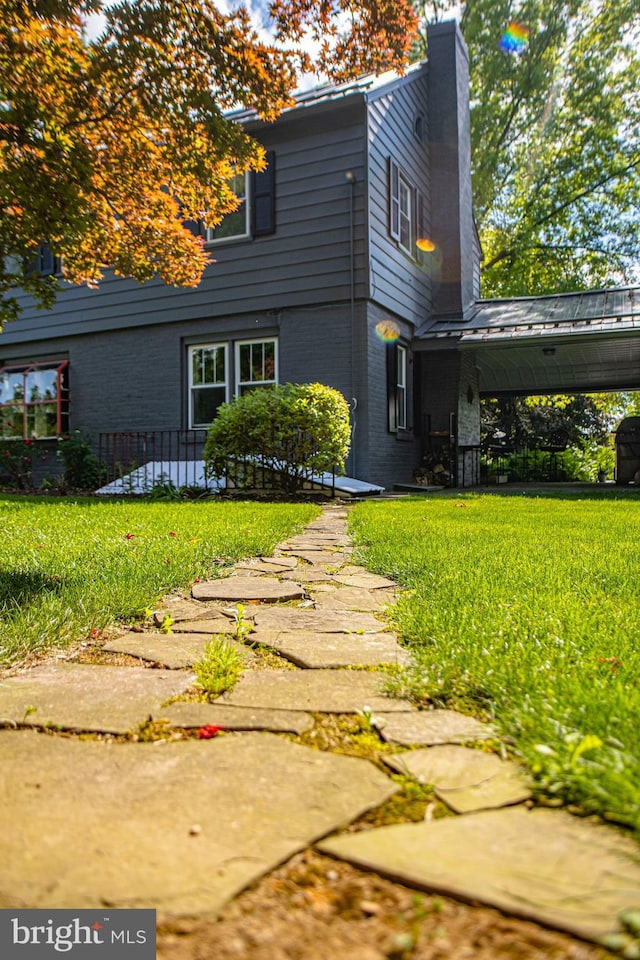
[47, 261]
[43, 262]
[394, 200]
[263, 198]
[392, 387]
[196, 227]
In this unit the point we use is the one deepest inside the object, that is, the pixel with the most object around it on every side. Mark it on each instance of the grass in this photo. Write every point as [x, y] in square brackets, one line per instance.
[69, 567]
[219, 668]
[525, 609]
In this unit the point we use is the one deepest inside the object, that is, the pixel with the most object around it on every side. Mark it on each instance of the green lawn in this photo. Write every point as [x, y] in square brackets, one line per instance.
[68, 567]
[526, 609]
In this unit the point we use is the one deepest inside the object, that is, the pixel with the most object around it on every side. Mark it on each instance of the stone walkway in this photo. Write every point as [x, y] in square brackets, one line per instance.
[183, 825]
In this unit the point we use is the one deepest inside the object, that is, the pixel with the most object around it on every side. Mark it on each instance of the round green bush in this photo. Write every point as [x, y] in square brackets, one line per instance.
[279, 437]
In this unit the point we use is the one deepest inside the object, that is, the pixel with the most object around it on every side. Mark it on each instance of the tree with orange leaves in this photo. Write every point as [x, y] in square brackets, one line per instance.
[108, 145]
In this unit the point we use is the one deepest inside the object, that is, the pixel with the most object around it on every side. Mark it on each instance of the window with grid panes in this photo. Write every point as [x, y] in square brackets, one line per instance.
[208, 383]
[256, 365]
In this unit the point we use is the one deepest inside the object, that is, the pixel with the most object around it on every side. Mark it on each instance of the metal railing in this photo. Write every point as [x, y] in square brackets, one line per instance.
[524, 464]
[171, 456]
[138, 461]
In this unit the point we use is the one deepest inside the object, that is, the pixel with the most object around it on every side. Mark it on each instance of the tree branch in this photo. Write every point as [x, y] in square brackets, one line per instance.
[616, 174]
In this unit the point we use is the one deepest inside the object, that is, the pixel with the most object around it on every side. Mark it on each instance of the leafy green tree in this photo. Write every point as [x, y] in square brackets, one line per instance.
[555, 129]
[109, 144]
[537, 422]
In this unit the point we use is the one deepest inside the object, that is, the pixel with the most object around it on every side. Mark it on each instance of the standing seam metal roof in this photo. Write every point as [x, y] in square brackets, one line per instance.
[596, 311]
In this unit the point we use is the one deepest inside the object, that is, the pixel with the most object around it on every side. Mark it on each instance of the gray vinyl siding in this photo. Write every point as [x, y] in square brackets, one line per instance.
[305, 262]
[399, 283]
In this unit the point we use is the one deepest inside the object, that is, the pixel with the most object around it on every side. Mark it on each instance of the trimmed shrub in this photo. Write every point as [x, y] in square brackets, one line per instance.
[278, 437]
[81, 470]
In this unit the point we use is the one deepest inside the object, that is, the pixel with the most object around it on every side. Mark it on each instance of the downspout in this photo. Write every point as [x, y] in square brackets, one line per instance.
[351, 180]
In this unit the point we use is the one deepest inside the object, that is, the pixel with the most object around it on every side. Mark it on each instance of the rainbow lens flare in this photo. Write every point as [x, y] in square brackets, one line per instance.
[515, 37]
[387, 331]
[426, 245]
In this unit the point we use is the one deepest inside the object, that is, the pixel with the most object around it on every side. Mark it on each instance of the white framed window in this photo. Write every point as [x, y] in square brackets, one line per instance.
[208, 382]
[256, 364]
[406, 215]
[403, 209]
[401, 388]
[237, 223]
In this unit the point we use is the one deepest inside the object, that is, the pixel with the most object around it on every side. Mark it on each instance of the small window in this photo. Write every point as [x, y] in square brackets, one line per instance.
[208, 383]
[44, 262]
[406, 216]
[401, 389]
[397, 391]
[402, 209]
[236, 223]
[34, 400]
[256, 365]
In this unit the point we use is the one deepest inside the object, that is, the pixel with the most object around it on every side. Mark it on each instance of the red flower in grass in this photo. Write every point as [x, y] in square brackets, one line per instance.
[129, 536]
[172, 533]
[209, 731]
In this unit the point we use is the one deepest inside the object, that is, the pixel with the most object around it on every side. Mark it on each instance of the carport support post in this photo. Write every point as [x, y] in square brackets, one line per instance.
[450, 385]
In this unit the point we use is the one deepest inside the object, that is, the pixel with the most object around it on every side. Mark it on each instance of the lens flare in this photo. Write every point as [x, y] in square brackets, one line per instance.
[387, 331]
[515, 37]
[426, 245]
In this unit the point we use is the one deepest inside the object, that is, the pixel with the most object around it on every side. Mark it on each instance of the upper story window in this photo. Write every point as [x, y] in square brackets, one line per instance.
[406, 214]
[406, 211]
[255, 215]
[34, 400]
[236, 224]
[208, 383]
[44, 262]
[256, 364]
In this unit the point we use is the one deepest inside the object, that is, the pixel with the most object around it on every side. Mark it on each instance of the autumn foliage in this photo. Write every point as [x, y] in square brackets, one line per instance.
[108, 145]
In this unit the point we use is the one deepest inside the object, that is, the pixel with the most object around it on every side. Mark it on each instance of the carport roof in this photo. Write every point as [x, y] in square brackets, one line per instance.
[596, 311]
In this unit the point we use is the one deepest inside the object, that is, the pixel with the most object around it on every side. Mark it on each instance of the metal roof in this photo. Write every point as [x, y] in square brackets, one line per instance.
[611, 312]
[326, 92]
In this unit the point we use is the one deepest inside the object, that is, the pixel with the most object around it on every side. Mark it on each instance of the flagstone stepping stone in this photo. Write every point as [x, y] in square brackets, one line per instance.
[370, 581]
[432, 727]
[322, 557]
[322, 621]
[207, 625]
[180, 609]
[346, 598]
[189, 715]
[174, 650]
[80, 696]
[247, 588]
[267, 566]
[543, 865]
[189, 610]
[314, 650]
[466, 780]
[309, 575]
[181, 826]
[317, 542]
[319, 691]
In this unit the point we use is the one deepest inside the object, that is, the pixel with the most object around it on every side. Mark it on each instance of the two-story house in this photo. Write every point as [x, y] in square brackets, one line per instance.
[359, 230]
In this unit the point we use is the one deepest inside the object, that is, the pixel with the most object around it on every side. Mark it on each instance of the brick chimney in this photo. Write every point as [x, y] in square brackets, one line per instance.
[452, 225]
